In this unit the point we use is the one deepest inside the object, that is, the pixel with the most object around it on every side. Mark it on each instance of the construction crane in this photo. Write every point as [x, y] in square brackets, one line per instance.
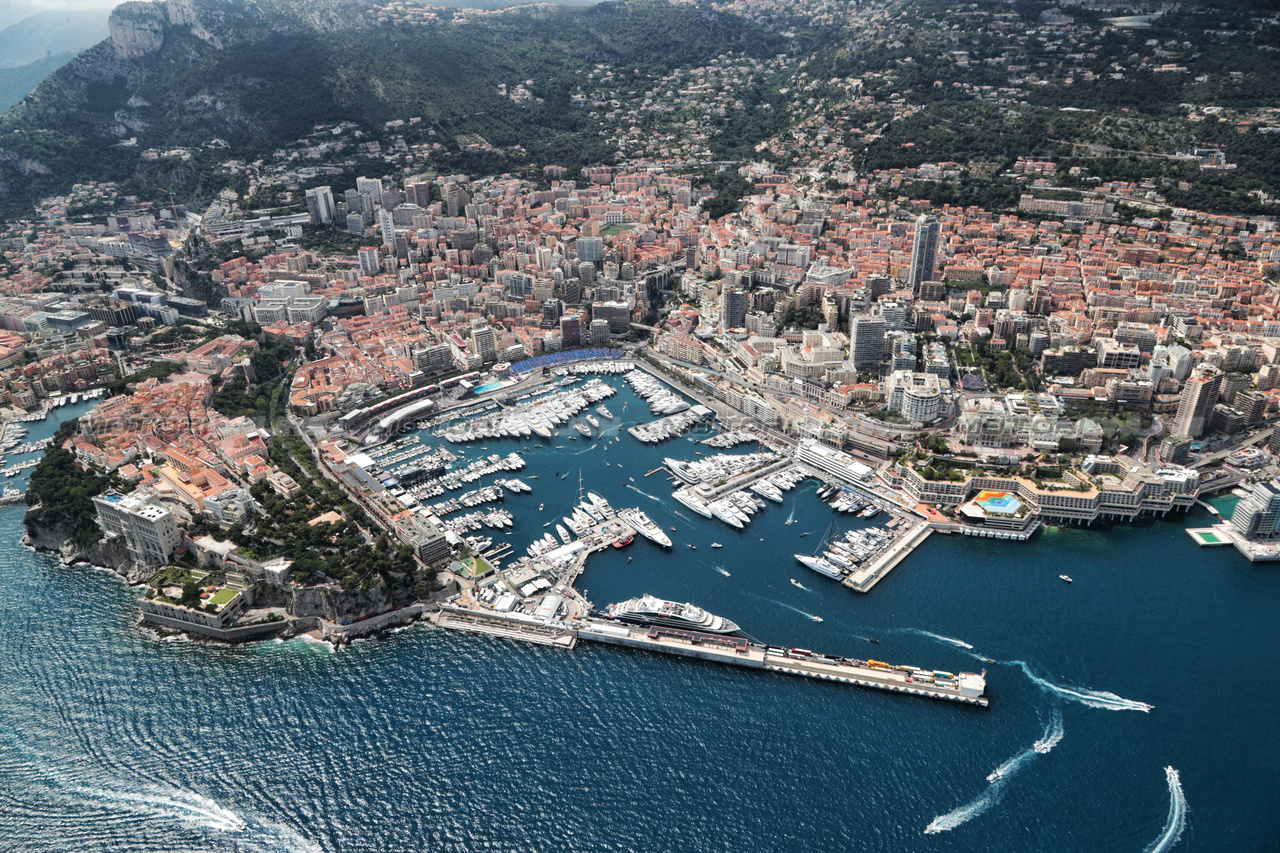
[173, 205]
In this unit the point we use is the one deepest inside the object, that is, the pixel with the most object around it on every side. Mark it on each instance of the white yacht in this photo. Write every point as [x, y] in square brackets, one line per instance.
[645, 526]
[820, 566]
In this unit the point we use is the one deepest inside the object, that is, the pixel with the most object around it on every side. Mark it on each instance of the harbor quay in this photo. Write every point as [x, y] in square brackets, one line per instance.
[906, 541]
[965, 688]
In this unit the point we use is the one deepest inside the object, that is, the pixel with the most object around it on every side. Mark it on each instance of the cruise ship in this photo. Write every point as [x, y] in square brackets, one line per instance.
[648, 610]
[645, 526]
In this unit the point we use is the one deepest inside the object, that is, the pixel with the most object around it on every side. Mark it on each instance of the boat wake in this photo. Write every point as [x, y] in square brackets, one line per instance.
[646, 494]
[1092, 698]
[179, 805]
[1103, 699]
[722, 570]
[958, 817]
[802, 586]
[999, 779]
[1053, 734]
[682, 517]
[1177, 820]
[803, 613]
[953, 641]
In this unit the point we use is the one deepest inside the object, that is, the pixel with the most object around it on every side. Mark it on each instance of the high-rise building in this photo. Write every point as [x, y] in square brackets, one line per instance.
[733, 308]
[570, 330]
[1259, 513]
[387, 226]
[372, 186]
[599, 333]
[434, 359]
[484, 342]
[1195, 405]
[320, 205]
[591, 249]
[919, 397]
[878, 285]
[894, 314]
[924, 253]
[866, 342]
[418, 192]
[370, 260]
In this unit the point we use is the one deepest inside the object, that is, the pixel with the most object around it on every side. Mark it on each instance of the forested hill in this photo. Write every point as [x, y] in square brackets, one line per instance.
[259, 75]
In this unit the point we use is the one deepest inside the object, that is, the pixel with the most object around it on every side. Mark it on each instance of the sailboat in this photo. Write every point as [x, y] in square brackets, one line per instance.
[819, 564]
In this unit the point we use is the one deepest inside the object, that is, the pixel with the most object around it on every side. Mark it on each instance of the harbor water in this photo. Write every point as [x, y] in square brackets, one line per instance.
[1158, 655]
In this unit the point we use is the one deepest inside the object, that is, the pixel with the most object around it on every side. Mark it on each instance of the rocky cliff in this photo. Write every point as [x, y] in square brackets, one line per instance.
[139, 28]
[338, 605]
[107, 554]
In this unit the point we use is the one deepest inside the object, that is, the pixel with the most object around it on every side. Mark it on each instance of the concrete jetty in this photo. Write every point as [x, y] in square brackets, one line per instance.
[907, 541]
[964, 688]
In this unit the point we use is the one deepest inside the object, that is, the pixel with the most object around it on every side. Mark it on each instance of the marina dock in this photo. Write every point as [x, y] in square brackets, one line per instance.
[907, 541]
[533, 599]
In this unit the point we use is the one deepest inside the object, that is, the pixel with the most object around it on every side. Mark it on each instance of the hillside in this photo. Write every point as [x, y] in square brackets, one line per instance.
[48, 33]
[17, 83]
[255, 76]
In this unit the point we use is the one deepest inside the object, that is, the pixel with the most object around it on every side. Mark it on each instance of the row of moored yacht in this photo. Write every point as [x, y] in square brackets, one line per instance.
[540, 417]
[845, 553]
[662, 400]
[721, 466]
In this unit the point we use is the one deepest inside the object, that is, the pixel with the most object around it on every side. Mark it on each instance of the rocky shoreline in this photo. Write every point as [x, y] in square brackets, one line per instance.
[107, 555]
[325, 614]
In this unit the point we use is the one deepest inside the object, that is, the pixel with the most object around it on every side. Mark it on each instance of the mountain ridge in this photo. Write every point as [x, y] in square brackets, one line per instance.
[256, 75]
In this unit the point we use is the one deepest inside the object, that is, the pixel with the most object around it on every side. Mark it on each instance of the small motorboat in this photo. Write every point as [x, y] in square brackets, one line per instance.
[1066, 578]
[693, 547]
[716, 545]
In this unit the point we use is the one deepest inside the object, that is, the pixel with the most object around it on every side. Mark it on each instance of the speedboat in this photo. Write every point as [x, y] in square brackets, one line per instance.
[1066, 578]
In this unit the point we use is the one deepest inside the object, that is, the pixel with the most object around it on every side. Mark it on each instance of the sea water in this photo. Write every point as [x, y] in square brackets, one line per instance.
[1158, 656]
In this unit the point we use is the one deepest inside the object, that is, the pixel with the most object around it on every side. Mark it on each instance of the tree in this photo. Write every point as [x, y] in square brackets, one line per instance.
[190, 594]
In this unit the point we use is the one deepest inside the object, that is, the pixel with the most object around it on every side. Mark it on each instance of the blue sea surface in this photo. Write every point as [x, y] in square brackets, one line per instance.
[1159, 654]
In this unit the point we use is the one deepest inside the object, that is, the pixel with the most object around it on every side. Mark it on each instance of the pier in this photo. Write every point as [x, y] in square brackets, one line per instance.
[502, 625]
[964, 688]
[862, 580]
